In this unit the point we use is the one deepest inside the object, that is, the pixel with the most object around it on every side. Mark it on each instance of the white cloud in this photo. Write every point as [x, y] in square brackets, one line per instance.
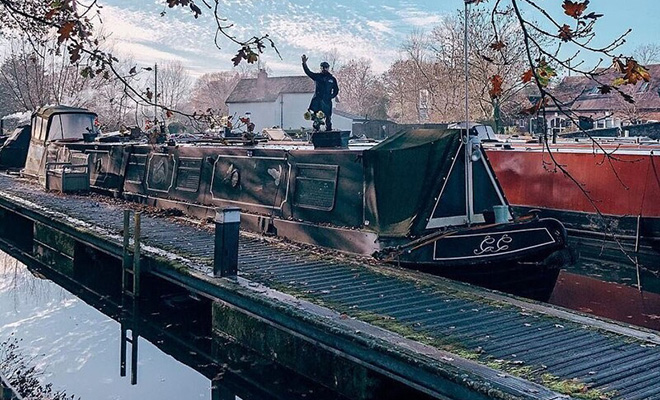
[371, 31]
[418, 18]
[381, 26]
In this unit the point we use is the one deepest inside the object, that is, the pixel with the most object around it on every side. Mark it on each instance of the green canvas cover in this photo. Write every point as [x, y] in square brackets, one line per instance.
[403, 177]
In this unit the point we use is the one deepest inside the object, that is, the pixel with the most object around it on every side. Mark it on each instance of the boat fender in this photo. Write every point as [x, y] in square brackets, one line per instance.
[560, 259]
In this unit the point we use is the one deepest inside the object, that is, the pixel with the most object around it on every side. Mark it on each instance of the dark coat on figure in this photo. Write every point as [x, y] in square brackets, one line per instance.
[326, 90]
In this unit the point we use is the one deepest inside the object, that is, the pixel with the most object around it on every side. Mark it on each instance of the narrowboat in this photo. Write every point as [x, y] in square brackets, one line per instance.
[422, 199]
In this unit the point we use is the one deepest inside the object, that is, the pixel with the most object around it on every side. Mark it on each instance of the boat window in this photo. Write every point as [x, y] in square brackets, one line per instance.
[36, 127]
[42, 124]
[70, 126]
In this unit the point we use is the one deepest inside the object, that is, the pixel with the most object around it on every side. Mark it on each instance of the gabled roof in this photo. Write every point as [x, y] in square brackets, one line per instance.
[581, 93]
[268, 89]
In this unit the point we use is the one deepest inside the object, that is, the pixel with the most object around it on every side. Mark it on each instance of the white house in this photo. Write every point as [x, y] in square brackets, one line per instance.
[278, 102]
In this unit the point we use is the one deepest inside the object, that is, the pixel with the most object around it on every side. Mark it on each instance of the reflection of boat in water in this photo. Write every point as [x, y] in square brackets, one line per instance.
[624, 189]
[414, 199]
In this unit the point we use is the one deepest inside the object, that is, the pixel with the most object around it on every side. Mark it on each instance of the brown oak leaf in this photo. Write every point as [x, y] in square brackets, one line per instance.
[527, 76]
[499, 45]
[575, 8]
[496, 86]
[240, 55]
[565, 33]
[66, 31]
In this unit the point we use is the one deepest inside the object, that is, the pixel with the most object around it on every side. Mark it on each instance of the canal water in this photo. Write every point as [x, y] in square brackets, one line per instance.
[77, 347]
[606, 283]
[75, 344]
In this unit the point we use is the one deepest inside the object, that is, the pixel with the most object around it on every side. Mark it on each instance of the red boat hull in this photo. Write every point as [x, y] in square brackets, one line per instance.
[604, 197]
[626, 185]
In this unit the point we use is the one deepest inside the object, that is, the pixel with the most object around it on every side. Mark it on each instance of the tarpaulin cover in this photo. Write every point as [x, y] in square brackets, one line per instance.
[14, 151]
[403, 175]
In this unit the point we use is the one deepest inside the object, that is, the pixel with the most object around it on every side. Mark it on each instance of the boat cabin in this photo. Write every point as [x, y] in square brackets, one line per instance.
[56, 124]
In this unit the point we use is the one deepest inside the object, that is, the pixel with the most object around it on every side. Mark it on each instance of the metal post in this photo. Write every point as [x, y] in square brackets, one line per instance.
[227, 225]
[466, 143]
[155, 93]
[136, 256]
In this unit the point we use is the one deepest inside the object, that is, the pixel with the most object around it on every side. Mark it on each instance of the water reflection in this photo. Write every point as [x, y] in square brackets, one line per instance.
[605, 283]
[79, 347]
[611, 300]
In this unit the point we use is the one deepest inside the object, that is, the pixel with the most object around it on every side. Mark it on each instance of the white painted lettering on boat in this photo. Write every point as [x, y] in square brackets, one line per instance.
[486, 245]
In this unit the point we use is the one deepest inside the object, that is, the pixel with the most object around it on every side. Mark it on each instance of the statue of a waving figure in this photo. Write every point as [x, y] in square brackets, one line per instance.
[326, 90]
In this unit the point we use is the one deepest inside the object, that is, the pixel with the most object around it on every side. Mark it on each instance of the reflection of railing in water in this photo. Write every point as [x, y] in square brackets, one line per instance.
[130, 268]
[129, 323]
[218, 360]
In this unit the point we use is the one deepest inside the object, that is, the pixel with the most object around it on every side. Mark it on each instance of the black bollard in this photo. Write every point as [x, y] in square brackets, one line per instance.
[227, 224]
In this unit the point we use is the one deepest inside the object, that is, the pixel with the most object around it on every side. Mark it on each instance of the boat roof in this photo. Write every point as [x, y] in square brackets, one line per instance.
[48, 111]
[643, 148]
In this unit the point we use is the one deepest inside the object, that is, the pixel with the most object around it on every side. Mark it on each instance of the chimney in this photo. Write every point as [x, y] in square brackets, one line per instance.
[262, 76]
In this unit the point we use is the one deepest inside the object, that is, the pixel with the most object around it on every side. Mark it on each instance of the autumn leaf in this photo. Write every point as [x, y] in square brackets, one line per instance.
[260, 46]
[628, 98]
[86, 72]
[527, 76]
[574, 8]
[618, 82]
[499, 45]
[252, 57]
[65, 31]
[632, 71]
[642, 72]
[619, 65]
[544, 72]
[196, 11]
[565, 33]
[240, 55]
[168, 114]
[50, 14]
[149, 94]
[496, 86]
[74, 53]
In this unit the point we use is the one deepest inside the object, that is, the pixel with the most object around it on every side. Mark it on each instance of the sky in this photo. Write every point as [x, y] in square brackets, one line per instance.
[372, 29]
